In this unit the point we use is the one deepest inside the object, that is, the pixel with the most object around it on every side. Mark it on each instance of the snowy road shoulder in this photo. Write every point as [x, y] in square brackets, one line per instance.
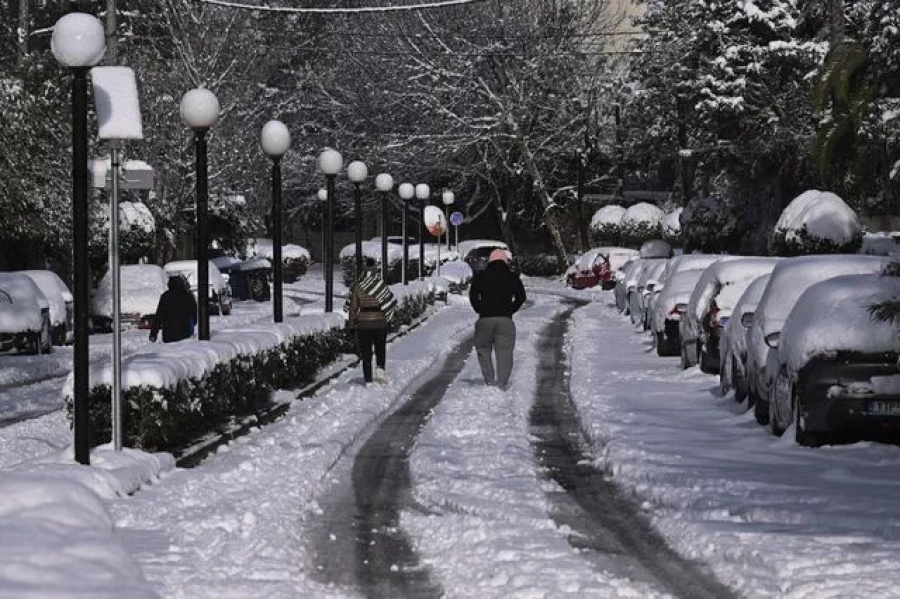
[771, 518]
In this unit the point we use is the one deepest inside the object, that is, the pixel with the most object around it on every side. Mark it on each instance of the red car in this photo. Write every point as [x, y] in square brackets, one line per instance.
[598, 266]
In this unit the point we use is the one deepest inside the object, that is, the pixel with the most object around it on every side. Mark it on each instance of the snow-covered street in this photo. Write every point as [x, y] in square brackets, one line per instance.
[471, 506]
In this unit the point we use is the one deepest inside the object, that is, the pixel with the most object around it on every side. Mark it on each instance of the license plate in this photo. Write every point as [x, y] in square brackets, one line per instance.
[883, 408]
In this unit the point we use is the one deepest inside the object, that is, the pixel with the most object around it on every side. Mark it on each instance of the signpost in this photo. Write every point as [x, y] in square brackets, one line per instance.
[119, 119]
[456, 219]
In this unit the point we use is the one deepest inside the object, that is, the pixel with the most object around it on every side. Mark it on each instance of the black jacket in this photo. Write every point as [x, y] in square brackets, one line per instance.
[175, 313]
[496, 291]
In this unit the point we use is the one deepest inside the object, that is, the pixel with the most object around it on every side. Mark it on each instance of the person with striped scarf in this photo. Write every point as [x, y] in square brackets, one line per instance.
[369, 309]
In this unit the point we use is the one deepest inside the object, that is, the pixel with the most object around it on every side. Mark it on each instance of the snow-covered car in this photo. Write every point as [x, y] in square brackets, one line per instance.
[656, 248]
[61, 303]
[140, 286]
[24, 315]
[611, 259]
[582, 274]
[710, 306]
[625, 277]
[476, 252]
[219, 290]
[668, 309]
[733, 346]
[674, 265]
[790, 278]
[639, 297]
[837, 364]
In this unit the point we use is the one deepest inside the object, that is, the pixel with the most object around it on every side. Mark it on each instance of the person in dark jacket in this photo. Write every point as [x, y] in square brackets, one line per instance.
[496, 294]
[176, 312]
[370, 308]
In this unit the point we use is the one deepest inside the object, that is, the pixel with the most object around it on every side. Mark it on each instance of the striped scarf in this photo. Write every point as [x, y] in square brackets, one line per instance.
[371, 284]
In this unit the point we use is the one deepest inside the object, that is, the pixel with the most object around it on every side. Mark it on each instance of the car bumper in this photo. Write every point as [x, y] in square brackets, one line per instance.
[837, 394]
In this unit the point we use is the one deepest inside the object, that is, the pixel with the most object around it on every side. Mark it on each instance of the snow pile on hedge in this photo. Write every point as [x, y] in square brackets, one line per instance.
[641, 223]
[817, 222]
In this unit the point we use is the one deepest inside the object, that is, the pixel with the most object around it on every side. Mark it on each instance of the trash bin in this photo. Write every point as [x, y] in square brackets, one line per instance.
[249, 280]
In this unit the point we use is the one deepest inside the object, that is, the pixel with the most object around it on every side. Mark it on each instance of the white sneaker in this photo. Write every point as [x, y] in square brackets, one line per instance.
[380, 376]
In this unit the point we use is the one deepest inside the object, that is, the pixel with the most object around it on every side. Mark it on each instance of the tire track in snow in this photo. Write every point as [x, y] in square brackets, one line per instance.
[387, 565]
[606, 525]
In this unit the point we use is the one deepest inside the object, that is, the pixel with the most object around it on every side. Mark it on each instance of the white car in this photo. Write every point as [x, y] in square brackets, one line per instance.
[668, 308]
[710, 306]
[139, 290]
[219, 290]
[639, 298]
[733, 346]
[61, 304]
[790, 278]
[24, 315]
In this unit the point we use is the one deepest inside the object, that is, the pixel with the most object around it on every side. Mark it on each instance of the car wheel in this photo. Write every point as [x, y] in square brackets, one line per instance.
[46, 337]
[740, 385]
[724, 387]
[802, 436]
[684, 358]
[777, 428]
[226, 310]
[760, 410]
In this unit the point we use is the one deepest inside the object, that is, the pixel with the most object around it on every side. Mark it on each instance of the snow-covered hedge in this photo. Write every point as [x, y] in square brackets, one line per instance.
[817, 222]
[177, 393]
[641, 223]
[606, 225]
[295, 259]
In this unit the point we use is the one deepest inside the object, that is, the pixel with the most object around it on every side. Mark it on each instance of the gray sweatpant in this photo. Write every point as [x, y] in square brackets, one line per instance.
[495, 334]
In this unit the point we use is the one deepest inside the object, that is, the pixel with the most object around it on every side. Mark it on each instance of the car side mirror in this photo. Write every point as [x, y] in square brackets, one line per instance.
[747, 320]
[772, 340]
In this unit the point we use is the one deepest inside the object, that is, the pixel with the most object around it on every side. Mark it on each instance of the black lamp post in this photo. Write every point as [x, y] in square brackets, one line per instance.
[200, 111]
[357, 173]
[422, 194]
[78, 42]
[330, 163]
[406, 192]
[448, 198]
[275, 140]
[384, 183]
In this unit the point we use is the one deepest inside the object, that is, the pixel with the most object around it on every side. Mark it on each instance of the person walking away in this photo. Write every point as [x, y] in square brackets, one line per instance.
[176, 312]
[496, 294]
[370, 309]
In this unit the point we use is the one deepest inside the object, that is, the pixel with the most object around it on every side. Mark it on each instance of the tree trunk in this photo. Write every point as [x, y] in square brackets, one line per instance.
[546, 201]
[22, 31]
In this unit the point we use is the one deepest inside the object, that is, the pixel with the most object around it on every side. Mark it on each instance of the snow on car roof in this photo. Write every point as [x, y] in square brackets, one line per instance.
[189, 269]
[140, 288]
[792, 276]
[54, 289]
[677, 290]
[468, 245]
[690, 262]
[833, 315]
[27, 300]
[726, 281]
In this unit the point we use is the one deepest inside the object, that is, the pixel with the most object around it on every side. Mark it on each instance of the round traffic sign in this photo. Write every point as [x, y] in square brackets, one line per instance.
[456, 219]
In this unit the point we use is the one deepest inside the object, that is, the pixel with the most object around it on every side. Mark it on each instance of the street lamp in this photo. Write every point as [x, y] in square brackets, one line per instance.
[357, 173]
[448, 198]
[330, 163]
[323, 197]
[78, 42]
[200, 111]
[406, 192]
[422, 194]
[275, 140]
[384, 183]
